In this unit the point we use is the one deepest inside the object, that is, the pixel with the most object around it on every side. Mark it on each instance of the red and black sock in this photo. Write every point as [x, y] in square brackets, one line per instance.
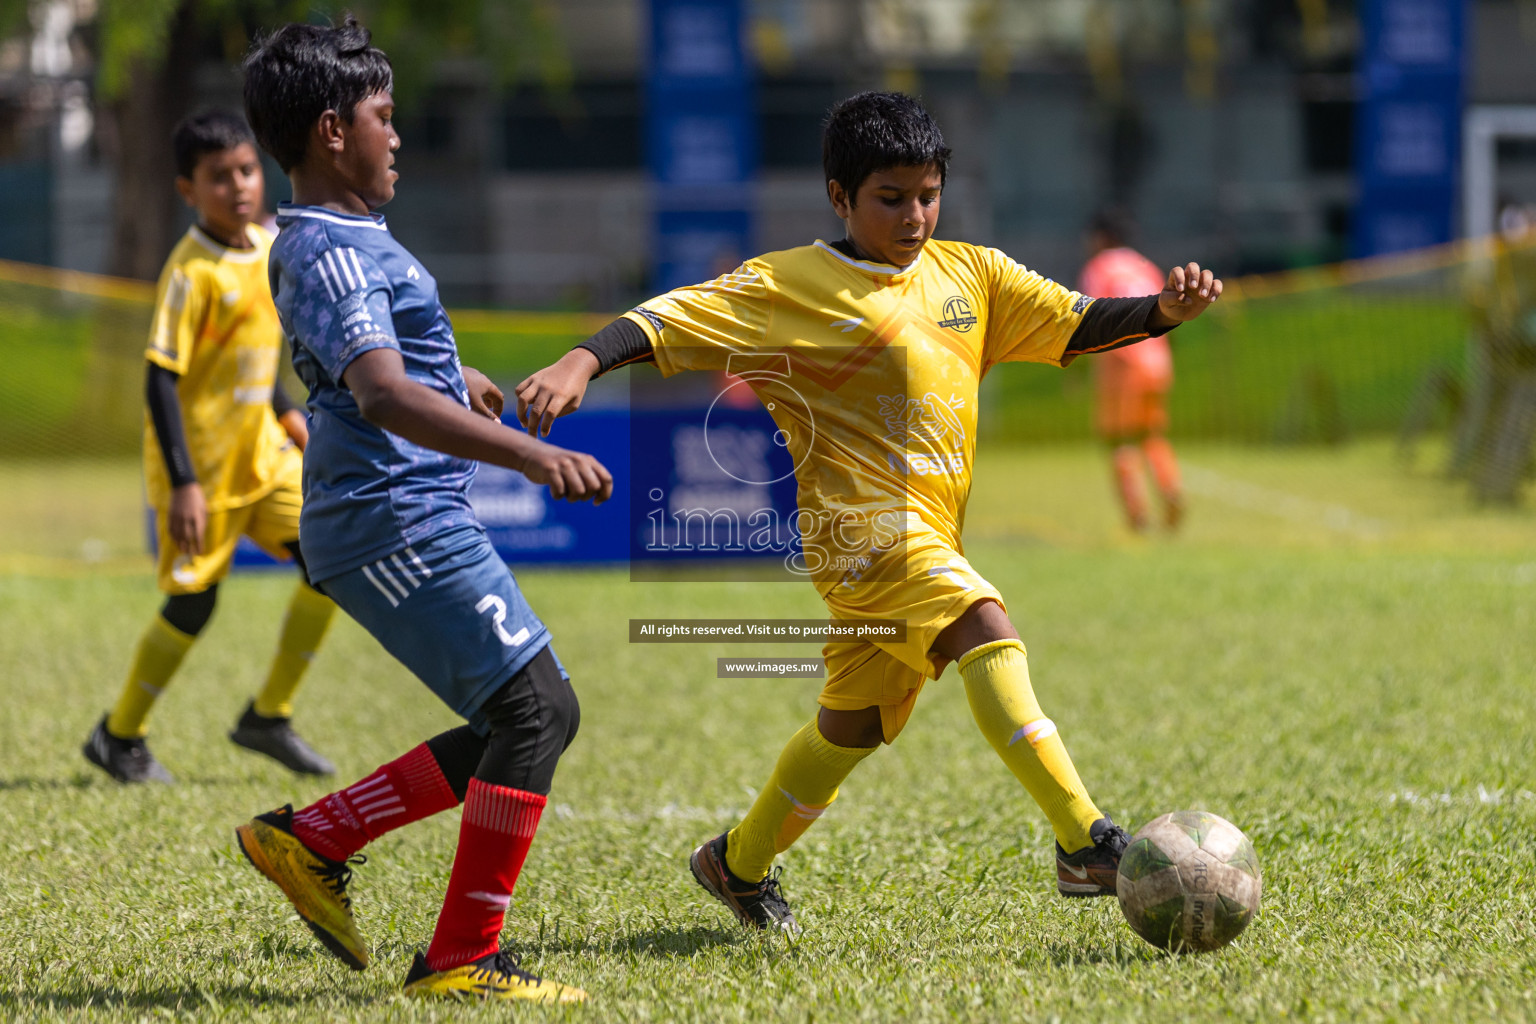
[406, 789]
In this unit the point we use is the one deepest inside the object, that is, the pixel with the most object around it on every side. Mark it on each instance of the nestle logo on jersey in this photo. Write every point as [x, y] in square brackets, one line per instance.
[936, 464]
[957, 314]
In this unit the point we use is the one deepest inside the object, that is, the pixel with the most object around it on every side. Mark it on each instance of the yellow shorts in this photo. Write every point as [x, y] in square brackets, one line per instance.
[939, 587]
[272, 521]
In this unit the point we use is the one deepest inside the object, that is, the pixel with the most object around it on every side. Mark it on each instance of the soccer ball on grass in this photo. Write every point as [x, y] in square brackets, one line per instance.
[1189, 882]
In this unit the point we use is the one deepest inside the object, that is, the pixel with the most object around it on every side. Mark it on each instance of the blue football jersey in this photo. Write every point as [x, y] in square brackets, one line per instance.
[343, 286]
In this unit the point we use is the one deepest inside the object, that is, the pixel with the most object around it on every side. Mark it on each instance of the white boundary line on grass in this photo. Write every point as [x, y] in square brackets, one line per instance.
[1208, 483]
[668, 812]
[1482, 795]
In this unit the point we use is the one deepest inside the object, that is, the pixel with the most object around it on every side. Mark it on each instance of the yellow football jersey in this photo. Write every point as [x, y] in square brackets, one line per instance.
[871, 373]
[215, 326]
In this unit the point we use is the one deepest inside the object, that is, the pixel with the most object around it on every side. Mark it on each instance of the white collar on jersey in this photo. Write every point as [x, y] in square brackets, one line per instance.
[873, 268]
[351, 220]
[223, 251]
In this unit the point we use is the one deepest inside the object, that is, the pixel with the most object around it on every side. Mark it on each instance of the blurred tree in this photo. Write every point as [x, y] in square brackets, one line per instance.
[13, 17]
[148, 52]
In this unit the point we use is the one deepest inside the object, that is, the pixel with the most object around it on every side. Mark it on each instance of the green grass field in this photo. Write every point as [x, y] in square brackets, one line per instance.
[1336, 656]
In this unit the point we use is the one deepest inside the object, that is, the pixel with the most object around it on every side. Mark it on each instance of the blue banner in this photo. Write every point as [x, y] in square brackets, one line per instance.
[701, 139]
[526, 525]
[1408, 131]
[710, 489]
[691, 485]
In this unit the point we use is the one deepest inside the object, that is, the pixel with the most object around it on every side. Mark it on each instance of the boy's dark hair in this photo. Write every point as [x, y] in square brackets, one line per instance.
[876, 130]
[208, 131]
[1113, 223]
[299, 72]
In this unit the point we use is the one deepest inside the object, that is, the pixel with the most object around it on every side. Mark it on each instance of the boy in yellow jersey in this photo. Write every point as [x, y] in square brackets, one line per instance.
[222, 447]
[887, 335]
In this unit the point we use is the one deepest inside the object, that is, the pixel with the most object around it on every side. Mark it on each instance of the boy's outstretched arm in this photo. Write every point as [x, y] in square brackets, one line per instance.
[558, 389]
[1188, 293]
[391, 401]
[1118, 322]
[485, 397]
[554, 391]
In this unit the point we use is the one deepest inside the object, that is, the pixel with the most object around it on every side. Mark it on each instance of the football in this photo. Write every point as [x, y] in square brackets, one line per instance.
[1189, 882]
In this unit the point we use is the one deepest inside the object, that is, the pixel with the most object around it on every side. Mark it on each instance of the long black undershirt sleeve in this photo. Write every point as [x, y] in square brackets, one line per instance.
[165, 414]
[281, 403]
[620, 343]
[1115, 323]
[1106, 324]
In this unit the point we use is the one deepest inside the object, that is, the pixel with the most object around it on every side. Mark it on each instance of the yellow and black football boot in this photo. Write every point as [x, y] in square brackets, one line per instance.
[759, 905]
[494, 976]
[315, 885]
[1093, 870]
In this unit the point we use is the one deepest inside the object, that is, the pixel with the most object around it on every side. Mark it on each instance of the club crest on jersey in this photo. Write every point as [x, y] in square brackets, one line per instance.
[957, 314]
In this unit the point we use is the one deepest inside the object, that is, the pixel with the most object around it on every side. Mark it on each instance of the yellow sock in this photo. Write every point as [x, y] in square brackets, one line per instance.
[161, 649]
[803, 785]
[309, 616]
[1004, 706]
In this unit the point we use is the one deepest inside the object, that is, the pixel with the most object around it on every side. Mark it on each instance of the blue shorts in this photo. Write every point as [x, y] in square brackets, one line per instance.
[450, 610]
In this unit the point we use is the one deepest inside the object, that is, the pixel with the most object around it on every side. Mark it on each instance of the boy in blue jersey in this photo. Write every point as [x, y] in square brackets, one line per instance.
[396, 426]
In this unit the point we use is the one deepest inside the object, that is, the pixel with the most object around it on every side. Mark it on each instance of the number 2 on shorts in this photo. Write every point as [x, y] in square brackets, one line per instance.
[498, 609]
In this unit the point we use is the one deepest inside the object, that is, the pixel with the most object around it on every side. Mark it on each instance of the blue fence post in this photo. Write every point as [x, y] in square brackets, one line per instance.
[1408, 126]
[701, 139]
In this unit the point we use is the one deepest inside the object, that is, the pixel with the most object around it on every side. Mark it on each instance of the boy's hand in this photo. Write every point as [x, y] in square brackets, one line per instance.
[188, 518]
[1188, 293]
[296, 426]
[554, 391]
[485, 398]
[574, 476]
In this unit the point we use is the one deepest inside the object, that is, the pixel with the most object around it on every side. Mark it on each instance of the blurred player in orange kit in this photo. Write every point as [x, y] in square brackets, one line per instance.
[1132, 382]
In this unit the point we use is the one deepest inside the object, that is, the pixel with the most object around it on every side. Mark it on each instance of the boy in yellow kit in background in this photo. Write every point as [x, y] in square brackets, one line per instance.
[222, 447]
[886, 335]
